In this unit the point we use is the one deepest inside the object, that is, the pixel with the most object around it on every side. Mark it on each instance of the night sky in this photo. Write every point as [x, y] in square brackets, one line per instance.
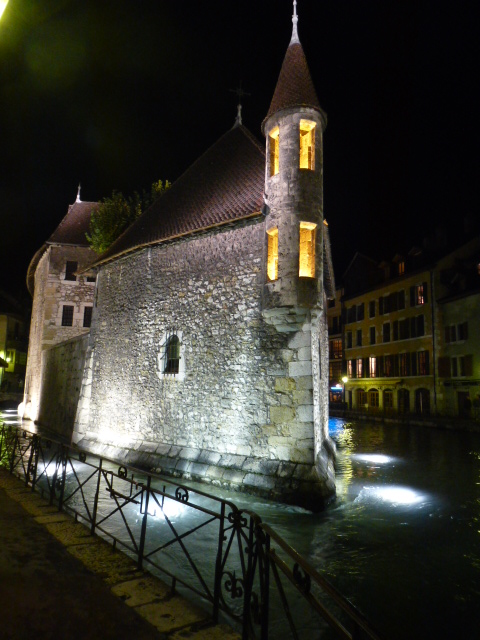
[118, 93]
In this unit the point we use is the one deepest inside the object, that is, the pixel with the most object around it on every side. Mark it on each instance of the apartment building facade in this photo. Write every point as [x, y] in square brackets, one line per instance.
[409, 334]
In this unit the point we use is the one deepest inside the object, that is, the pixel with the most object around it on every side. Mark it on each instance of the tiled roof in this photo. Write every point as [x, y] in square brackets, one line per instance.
[73, 227]
[294, 87]
[71, 231]
[225, 184]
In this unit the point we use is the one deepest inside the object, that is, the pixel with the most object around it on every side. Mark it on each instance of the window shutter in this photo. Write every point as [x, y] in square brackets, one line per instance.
[380, 306]
[447, 334]
[413, 362]
[427, 363]
[469, 365]
[395, 330]
[465, 330]
[412, 296]
[420, 326]
[425, 292]
[413, 327]
[408, 358]
[444, 367]
[366, 368]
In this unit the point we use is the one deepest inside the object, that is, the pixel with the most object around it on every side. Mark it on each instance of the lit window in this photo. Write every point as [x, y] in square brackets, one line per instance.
[373, 366]
[70, 269]
[350, 368]
[67, 315]
[401, 268]
[307, 250]
[423, 368]
[359, 368]
[307, 144]
[272, 258]
[87, 316]
[274, 150]
[172, 355]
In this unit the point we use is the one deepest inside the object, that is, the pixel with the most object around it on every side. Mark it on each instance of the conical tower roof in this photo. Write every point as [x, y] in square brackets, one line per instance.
[294, 87]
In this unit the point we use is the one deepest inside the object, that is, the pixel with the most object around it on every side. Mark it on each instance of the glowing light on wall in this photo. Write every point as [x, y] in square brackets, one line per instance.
[274, 150]
[307, 144]
[3, 6]
[307, 250]
[272, 260]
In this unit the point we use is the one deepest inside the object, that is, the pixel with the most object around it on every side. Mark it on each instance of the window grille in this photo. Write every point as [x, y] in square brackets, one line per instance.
[172, 353]
[67, 315]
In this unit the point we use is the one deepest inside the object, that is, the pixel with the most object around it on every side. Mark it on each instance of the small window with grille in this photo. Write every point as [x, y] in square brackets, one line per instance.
[170, 358]
[172, 355]
[67, 315]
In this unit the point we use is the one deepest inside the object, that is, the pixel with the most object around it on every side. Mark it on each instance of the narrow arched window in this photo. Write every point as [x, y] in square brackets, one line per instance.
[307, 145]
[274, 151]
[172, 355]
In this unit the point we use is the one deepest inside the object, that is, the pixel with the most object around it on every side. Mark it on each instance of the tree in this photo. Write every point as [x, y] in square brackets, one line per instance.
[116, 213]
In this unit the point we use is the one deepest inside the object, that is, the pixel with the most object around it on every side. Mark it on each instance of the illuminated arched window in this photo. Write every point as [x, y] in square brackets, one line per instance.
[272, 254]
[307, 250]
[172, 355]
[307, 144]
[274, 150]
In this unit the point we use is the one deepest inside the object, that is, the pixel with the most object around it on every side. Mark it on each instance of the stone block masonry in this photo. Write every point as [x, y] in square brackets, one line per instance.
[243, 407]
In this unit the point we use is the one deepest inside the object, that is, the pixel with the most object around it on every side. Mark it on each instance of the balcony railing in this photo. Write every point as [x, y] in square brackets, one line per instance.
[237, 564]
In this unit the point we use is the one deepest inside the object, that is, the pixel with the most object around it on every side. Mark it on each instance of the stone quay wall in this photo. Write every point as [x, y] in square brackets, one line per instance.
[62, 374]
[240, 412]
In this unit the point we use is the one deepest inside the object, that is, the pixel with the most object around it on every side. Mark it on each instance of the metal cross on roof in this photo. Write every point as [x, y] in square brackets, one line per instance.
[240, 93]
[294, 38]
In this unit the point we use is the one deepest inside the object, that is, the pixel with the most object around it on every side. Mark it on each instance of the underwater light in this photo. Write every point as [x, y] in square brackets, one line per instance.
[377, 458]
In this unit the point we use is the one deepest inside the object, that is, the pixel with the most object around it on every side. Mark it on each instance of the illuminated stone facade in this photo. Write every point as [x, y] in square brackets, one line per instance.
[231, 263]
[207, 355]
[52, 291]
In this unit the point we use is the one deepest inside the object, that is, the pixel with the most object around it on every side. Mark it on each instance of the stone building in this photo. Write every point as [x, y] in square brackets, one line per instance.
[208, 350]
[61, 310]
[13, 346]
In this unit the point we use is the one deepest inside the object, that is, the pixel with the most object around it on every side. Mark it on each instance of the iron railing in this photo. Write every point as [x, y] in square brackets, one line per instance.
[237, 564]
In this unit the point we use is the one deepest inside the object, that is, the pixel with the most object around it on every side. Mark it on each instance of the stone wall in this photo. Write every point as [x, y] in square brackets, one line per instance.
[51, 292]
[63, 367]
[241, 413]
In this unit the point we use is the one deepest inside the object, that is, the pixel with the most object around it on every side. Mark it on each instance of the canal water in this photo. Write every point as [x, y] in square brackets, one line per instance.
[402, 540]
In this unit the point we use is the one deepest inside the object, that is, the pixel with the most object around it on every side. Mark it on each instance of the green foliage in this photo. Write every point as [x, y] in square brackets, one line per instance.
[116, 213]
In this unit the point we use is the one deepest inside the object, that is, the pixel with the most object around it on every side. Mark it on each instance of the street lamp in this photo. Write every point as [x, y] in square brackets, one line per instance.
[344, 380]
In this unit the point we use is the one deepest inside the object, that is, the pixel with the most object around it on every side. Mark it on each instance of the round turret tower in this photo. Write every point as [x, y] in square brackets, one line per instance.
[294, 129]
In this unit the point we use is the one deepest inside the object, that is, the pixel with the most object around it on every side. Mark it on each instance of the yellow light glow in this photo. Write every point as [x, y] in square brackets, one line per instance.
[307, 144]
[3, 6]
[307, 250]
[344, 379]
[274, 147]
[272, 259]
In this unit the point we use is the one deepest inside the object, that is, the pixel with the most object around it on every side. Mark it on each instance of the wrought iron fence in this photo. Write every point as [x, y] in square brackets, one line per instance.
[236, 563]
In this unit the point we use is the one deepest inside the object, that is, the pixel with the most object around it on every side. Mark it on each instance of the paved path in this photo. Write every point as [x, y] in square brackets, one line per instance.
[57, 581]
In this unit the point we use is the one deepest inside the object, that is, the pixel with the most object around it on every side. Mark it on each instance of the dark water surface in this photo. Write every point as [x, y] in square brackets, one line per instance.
[402, 540]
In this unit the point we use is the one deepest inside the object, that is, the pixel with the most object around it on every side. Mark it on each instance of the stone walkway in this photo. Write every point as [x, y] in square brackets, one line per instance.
[57, 581]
